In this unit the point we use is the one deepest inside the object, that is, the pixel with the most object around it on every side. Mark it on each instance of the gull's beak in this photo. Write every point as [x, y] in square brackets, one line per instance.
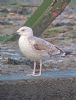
[18, 31]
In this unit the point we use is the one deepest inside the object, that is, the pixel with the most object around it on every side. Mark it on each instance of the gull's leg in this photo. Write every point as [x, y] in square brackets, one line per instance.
[35, 74]
[34, 68]
[40, 67]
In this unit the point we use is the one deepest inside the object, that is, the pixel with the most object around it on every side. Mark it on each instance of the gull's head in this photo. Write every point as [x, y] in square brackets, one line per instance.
[25, 31]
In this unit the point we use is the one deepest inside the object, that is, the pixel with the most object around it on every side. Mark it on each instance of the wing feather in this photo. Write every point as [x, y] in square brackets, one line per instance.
[42, 45]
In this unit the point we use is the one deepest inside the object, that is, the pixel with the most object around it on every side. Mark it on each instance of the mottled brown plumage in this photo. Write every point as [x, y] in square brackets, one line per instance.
[35, 48]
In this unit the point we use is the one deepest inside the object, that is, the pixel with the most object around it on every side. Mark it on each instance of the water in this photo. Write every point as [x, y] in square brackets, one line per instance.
[47, 74]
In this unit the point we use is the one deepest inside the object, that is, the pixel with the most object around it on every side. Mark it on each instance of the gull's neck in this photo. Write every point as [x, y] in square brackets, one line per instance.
[26, 37]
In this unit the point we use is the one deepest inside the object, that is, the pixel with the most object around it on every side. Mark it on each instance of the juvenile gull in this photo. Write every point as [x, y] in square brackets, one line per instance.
[36, 49]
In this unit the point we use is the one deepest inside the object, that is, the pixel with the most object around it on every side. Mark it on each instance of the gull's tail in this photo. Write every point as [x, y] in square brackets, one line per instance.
[68, 52]
[64, 53]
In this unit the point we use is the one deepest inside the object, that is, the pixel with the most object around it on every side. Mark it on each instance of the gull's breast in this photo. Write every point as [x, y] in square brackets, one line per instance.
[27, 50]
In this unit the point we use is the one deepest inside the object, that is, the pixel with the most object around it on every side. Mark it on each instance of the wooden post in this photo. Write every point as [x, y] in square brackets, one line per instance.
[45, 14]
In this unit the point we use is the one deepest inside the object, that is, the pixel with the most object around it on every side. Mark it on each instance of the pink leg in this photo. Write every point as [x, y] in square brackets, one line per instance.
[40, 67]
[34, 68]
[34, 74]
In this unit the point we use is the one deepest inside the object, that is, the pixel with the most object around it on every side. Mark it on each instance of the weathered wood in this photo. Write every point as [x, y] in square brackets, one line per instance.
[42, 17]
[45, 14]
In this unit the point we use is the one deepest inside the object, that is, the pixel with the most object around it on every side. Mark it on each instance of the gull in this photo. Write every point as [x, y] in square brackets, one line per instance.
[35, 48]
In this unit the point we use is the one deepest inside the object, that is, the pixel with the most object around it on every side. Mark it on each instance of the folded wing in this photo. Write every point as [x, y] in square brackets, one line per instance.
[40, 45]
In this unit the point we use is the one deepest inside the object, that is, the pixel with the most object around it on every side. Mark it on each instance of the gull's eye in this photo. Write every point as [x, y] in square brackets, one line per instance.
[22, 30]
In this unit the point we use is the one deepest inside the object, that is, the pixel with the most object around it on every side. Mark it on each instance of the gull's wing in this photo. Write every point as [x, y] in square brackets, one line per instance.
[42, 45]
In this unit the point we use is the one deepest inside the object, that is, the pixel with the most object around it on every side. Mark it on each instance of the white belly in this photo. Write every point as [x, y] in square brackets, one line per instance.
[27, 50]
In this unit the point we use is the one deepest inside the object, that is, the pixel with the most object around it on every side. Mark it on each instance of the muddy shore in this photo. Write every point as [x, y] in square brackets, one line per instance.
[58, 79]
